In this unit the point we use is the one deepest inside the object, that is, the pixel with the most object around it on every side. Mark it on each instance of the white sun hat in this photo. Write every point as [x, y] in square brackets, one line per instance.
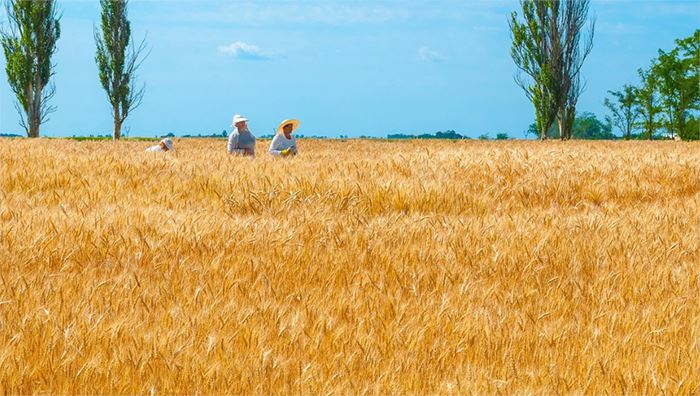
[168, 143]
[238, 118]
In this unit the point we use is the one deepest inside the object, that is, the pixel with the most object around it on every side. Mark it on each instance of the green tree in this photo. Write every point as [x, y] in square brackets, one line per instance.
[532, 130]
[117, 60]
[649, 103]
[625, 109]
[693, 128]
[570, 53]
[588, 126]
[677, 74]
[532, 54]
[29, 44]
[550, 46]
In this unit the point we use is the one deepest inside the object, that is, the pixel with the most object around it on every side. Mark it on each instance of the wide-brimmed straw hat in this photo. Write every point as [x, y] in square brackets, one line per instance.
[168, 143]
[238, 118]
[295, 125]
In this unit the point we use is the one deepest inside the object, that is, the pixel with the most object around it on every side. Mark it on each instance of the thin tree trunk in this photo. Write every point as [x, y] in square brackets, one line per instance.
[566, 125]
[117, 134]
[562, 127]
[117, 129]
[34, 126]
[34, 117]
[570, 125]
[35, 106]
[29, 111]
[681, 125]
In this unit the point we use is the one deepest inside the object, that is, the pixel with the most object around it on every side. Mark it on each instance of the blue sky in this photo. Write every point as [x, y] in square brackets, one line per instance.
[342, 67]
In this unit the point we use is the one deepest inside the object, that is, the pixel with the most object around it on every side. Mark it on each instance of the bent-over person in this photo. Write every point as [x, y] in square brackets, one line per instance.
[164, 145]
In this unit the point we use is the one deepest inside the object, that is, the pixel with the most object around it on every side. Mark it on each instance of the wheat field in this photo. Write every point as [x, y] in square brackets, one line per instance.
[358, 267]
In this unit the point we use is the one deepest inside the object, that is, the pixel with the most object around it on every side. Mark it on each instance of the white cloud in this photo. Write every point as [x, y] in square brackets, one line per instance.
[426, 54]
[246, 51]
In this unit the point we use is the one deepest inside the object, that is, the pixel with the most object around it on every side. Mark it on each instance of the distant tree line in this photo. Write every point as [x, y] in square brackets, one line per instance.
[223, 134]
[667, 98]
[450, 134]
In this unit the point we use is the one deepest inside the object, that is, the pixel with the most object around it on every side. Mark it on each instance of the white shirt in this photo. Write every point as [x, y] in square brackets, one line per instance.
[155, 148]
[280, 142]
[239, 141]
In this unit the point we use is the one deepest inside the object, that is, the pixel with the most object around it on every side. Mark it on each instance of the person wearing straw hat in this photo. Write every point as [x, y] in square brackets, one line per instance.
[284, 144]
[164, 145]
[241, 141]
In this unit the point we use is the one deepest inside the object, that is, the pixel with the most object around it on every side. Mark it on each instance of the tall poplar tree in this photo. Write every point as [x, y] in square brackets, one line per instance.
[549, 46]
[117, 60]
[29, 43]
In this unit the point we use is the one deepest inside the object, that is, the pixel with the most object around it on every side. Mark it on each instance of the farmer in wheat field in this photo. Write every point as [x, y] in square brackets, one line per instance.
[284, 144]
[164, 145]
[241, 141]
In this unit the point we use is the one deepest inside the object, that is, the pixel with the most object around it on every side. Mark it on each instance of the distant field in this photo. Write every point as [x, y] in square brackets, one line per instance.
[429, 267]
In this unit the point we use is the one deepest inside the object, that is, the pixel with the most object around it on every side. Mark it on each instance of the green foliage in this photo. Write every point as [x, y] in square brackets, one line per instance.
[28, 45]
[530, 51]
[677, 74]
[648, 103]
[437, 135]
[693, 129]
[223, 134]
[484, 136]
[552, 132]
[117, 61]
[502, 136]
[625, 109]
[586, 126]
[668, 97]
[547, 46]
[93, 138]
